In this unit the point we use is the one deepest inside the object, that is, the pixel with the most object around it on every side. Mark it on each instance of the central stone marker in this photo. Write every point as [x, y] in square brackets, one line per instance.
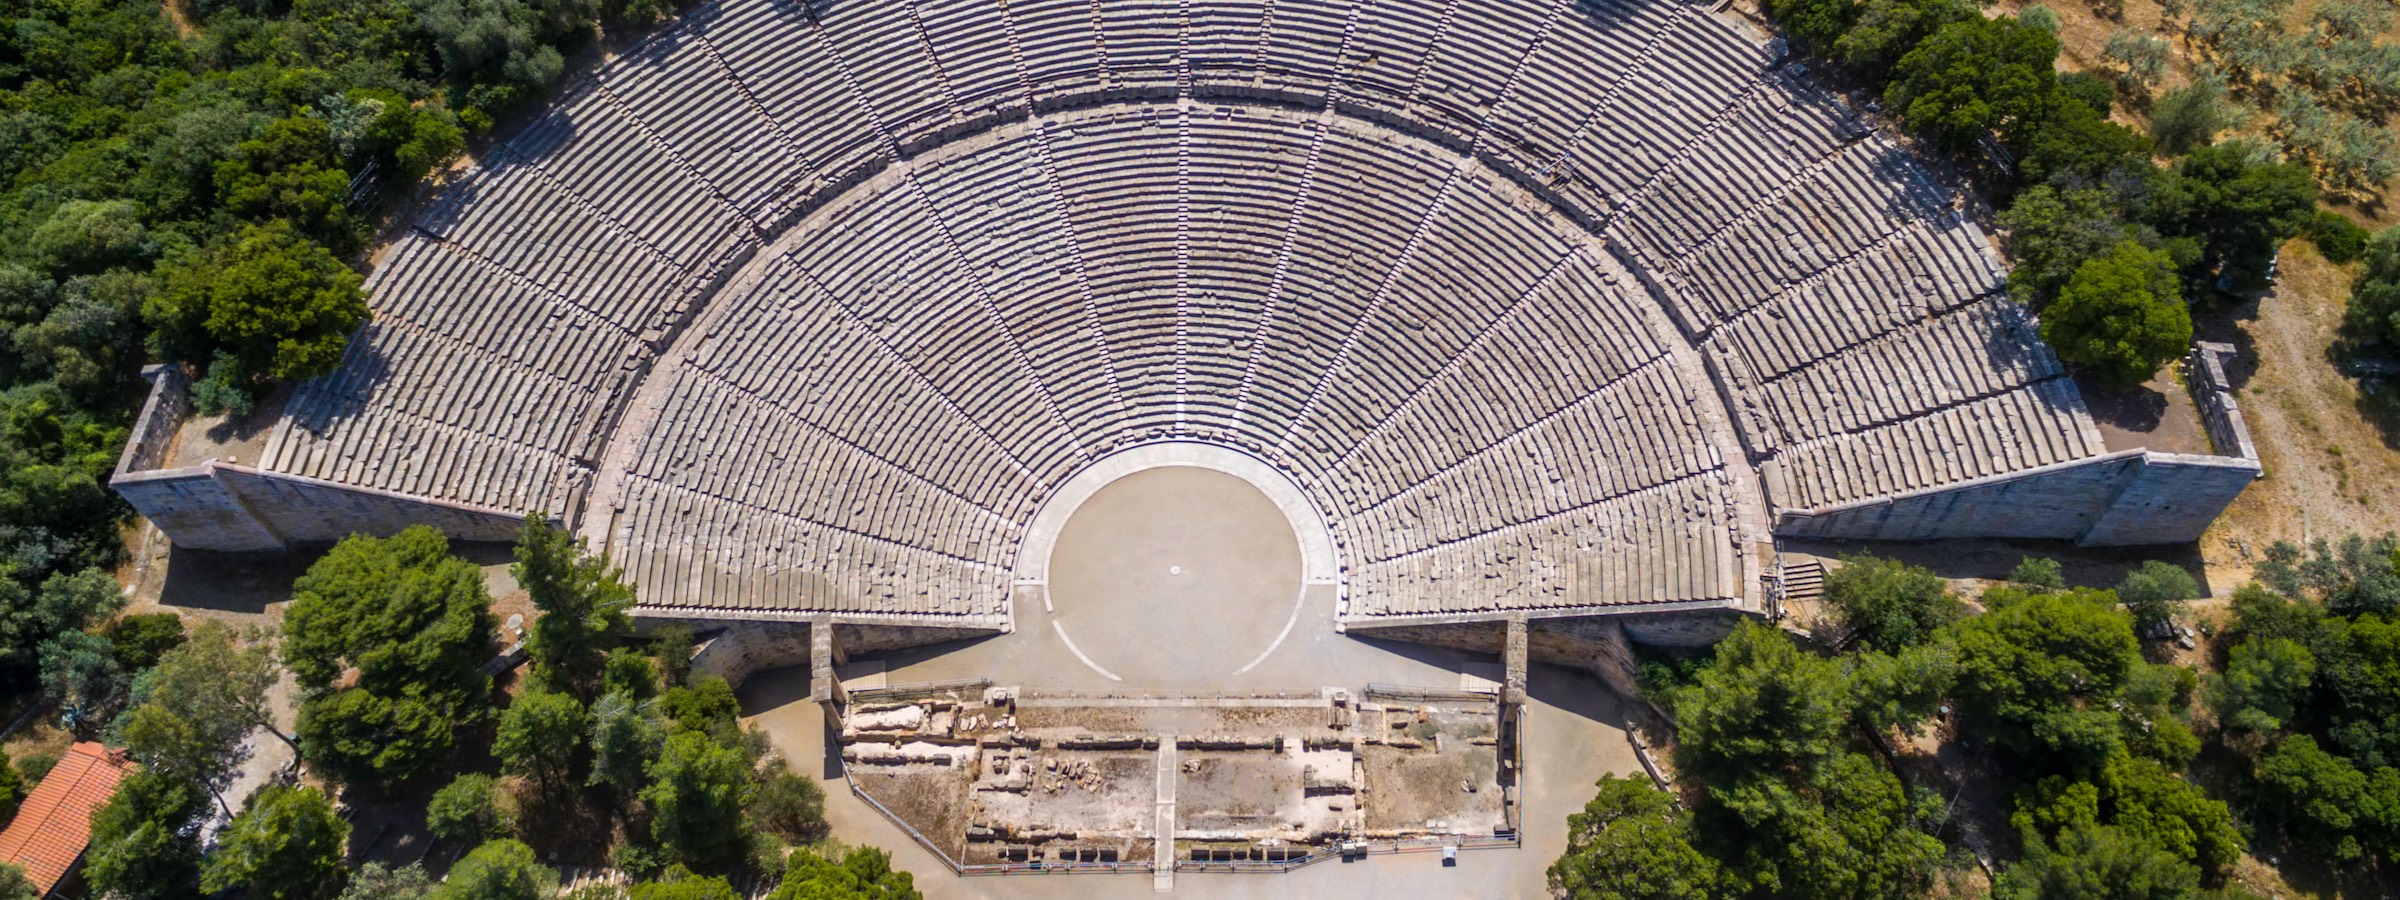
[1175, 575]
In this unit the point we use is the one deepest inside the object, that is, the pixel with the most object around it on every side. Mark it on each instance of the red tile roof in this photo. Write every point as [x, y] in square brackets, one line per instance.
[55, 822]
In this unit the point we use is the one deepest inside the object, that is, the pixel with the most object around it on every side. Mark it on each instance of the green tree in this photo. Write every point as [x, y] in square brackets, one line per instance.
[674, 645]
[2098, 862]
[364, 737]
[626, 736]
[705, 705]
[286, 843]
[144, 841]
[2192, 116]
[376, 881]
[1845, 827]
[1887, 604]
[191, 713]
[2120, 316]
[1901, 690]
[14, 885]
[2357, 575]
[1975, 76]
[2038, 673]
[1884, 29]
[2155, 592]
[2337, 238]
[1632, 842]
[2239, 206]
[2143, 58]
[2051, 232]
[416, 624]
[63, 603]
[1764, 706]
[225, 389]
[499, 870]
[679, 883]
[2076, 142]
[470, 809]
[539, 736]
[628, 672]
[698, 789]
[292, 172]
[2374, 308]
[2265, 679]
[583, 602]
[80, 674]
[411, 618]
[1815, 24]
[12, 788]
[57, 515]
[281, 304]
[2039, 572]
[139, 641]
[2150, 801]
[2324, 802]
[91, 236]
[863, 873]
[789, 805]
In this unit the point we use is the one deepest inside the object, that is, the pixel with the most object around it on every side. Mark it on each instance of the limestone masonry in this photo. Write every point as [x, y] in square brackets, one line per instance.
[1551, 309]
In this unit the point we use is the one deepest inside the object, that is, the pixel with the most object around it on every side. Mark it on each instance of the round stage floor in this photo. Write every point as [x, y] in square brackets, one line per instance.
[1172, 574]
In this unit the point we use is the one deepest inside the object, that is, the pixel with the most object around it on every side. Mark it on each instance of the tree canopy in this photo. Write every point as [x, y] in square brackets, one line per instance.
[501, 869]
[862, 873]
[144, 841]
[1887, 604]
[1975, 76]
[698, 788]
[286, 845]
[1632, 842]
[281, 305]
[415, 624]
[2120, 315]
[583, 602]
[191, 713]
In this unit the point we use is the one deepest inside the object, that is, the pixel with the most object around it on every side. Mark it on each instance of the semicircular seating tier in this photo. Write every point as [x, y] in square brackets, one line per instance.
[1549, 306]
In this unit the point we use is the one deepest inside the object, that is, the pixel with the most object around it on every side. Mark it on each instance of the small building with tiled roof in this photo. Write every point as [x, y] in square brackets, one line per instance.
[53, 826]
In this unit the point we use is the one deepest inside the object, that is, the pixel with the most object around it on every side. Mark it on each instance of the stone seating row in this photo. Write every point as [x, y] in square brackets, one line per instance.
[1493, 388]
[337, 437]
[2036, 425]
[685, 549]
[1671, 543]
[1925, 268]
[795, 346]
[690, 100]
[1978, 351]
[518, 221]
[587, 147]
[1638, 433]
[1843, 207]
[742, 450]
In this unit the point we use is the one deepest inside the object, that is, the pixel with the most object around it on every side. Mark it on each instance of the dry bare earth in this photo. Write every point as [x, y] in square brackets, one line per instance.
[2332, 450]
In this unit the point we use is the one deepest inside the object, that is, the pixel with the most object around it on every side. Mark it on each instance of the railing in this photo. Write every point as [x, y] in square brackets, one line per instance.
[1426, 694]
[919, 689]
[913, 833]
[1355, 848]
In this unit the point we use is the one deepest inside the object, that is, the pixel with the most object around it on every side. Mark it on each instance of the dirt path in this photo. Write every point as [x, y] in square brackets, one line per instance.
[2332, 453]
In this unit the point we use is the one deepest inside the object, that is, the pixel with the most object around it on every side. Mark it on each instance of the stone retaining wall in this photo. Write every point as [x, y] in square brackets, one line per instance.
[2127, 498]
[223, 506]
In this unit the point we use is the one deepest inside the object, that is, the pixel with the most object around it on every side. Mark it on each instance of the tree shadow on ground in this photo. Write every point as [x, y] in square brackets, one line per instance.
[1991, 559]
